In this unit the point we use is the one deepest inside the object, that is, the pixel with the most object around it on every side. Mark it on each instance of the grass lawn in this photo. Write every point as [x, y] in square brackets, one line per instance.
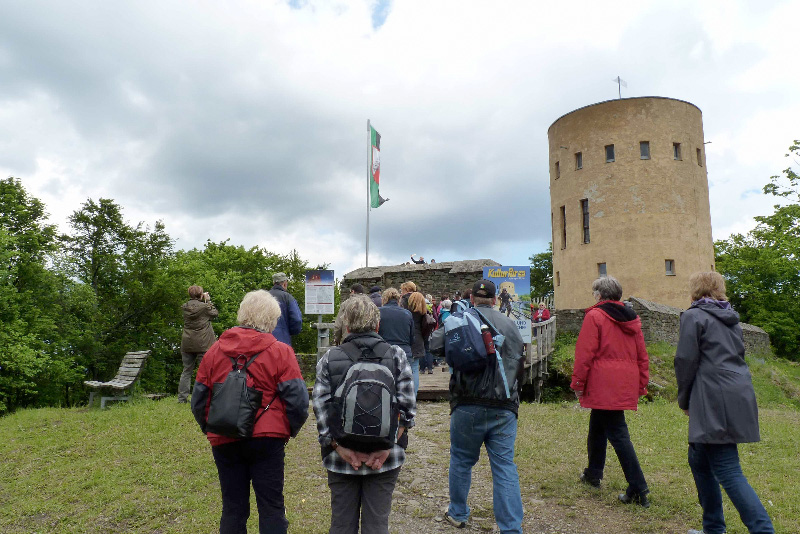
[145, 467]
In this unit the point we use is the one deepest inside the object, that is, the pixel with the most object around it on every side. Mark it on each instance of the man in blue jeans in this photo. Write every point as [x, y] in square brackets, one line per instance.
[481, 415]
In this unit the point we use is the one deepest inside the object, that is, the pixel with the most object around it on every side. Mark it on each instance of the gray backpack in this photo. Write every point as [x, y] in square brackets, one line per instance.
[365, 408]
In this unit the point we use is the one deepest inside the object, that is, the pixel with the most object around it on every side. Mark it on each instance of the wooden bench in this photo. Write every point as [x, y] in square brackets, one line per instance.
[129, 371]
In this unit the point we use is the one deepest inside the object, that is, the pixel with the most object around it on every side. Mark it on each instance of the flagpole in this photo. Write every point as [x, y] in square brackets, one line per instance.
[369, 170]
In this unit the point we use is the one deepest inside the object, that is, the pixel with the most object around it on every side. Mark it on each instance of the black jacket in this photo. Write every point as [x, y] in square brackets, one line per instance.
[486, 388]
[397, 326]
[714, 382]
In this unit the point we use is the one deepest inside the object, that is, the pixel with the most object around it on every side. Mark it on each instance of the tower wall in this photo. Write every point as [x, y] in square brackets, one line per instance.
[641, 212]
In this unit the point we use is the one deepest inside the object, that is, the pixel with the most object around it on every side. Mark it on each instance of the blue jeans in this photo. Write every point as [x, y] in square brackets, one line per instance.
[470, 427]
[713, 465]
[415, 371]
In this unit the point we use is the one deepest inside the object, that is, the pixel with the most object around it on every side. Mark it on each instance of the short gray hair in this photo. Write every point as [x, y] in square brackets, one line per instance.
[360, 314]
[608, 287]
[259, 310]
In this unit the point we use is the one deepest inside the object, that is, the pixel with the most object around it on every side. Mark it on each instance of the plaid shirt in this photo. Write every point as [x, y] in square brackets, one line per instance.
[405, 398]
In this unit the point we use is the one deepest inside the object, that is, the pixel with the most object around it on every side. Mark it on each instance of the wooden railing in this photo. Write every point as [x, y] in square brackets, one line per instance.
[544, 337]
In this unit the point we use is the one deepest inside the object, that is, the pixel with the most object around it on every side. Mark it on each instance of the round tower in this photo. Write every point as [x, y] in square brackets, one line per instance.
[629, 198]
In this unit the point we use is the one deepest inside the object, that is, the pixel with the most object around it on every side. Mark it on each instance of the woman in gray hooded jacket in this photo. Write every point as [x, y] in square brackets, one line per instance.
[716, 392]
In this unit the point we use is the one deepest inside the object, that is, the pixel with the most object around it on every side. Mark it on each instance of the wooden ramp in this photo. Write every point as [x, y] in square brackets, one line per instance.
[434, 386]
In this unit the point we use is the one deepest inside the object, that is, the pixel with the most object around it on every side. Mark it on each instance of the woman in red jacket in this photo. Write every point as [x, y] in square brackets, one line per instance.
[259, 459]
[610, 374]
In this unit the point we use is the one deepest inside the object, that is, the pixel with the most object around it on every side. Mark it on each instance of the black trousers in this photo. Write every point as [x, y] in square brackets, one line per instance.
[366, 496]
[256, 460]
[610, 425]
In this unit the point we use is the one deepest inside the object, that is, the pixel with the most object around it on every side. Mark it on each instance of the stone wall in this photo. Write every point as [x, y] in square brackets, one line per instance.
[662, 323]
[434, 278]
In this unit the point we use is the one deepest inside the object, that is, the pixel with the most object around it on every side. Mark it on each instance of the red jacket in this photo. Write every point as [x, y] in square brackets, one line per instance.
[611, 363]
[536, 317]
[275, 373]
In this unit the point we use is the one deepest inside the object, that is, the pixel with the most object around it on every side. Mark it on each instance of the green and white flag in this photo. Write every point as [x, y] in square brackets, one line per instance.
[375, 199]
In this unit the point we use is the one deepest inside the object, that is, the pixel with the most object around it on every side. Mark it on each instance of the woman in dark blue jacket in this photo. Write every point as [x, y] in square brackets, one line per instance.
[716, 392]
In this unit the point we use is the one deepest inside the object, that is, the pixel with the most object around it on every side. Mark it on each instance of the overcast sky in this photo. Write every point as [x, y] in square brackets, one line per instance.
[247, 120]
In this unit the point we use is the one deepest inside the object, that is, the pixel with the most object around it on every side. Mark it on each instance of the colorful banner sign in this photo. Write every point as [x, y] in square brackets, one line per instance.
[513, 295]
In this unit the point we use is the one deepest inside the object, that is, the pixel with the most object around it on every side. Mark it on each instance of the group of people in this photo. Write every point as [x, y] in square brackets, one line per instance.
[611, 373]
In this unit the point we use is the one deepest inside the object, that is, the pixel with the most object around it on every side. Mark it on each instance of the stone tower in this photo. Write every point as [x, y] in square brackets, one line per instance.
[629, 198]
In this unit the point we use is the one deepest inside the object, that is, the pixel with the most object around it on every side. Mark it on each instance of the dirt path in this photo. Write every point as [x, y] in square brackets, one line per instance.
[421, 496]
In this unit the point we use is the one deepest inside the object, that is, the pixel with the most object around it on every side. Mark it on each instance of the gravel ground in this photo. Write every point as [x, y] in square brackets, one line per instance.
[421, 495]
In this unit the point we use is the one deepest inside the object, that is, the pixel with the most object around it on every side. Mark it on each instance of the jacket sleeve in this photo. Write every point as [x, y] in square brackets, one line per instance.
[412, 335]
[585, 351]
[212, 311]
[295, 319]
[643, 361]
[338, 329]
[319, 399]
[201, 393]
[546, 314]
[406, 398]
[687, 358]
[293, 392]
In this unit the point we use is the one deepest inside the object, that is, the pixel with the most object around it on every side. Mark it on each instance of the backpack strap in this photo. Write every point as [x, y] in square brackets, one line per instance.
[379, 350]
[497, 353]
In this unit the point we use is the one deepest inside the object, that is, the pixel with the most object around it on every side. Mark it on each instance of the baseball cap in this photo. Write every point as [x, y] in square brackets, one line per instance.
[483, 288]
[279, 277]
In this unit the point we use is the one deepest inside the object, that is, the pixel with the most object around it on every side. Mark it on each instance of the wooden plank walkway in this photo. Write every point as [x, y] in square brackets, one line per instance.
[434, 386]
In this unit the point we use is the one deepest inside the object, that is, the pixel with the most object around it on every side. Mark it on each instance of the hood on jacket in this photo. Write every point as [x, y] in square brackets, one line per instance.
[728, 316]
[243, 340]
[622, 315]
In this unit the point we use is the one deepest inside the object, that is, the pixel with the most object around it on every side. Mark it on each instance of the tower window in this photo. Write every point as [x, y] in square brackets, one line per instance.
[609, 153]
[601, 270]
[563, 227]
[578, 160]
[585, 212]
[676, 151]
[699, 157]
[644, 149]
[558, 171]
[558, 278]
[669, 266]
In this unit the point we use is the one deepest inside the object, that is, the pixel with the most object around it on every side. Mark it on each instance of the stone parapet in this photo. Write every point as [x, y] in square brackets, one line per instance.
[434, 278]
[662, 323]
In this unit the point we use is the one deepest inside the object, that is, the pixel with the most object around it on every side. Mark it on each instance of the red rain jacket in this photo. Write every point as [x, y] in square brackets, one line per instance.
[611, 363]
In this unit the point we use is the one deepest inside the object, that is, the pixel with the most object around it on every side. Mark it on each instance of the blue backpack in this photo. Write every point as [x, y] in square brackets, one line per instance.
[464, 348]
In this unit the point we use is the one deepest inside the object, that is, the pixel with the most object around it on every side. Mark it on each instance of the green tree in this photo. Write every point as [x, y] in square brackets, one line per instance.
[33, 367]
[542, 273]
[762, 268]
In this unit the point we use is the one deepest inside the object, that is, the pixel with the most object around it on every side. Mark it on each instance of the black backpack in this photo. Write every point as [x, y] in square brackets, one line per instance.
[235, 407]
[364, 404]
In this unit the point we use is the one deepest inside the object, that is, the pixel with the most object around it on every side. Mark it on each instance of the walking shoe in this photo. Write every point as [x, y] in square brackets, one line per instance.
[593, 482]
[693, 531]
[430, 371]
[638, 498]
[457, 524]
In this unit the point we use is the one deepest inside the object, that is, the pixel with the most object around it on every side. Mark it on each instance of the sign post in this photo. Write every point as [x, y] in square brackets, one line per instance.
[319, 301]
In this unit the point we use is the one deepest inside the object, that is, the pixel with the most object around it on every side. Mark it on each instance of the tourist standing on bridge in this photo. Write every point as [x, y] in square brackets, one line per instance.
[716, 392]
[541, 314]
[484, 413]
[611, 372]
[397, 324]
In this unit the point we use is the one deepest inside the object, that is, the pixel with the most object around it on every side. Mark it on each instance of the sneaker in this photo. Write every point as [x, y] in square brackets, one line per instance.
[638, 498]
[593, 482]
[693, 531]
[457, 524]
[430, 371]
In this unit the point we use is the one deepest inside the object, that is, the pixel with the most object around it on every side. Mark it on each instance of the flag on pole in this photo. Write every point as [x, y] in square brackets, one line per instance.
[375, 169]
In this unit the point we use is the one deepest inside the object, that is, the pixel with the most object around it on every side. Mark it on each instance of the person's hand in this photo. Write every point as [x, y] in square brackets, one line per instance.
[355, 459]
[376, 459]
[206, 297]
[686, 412]
[579, 393]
